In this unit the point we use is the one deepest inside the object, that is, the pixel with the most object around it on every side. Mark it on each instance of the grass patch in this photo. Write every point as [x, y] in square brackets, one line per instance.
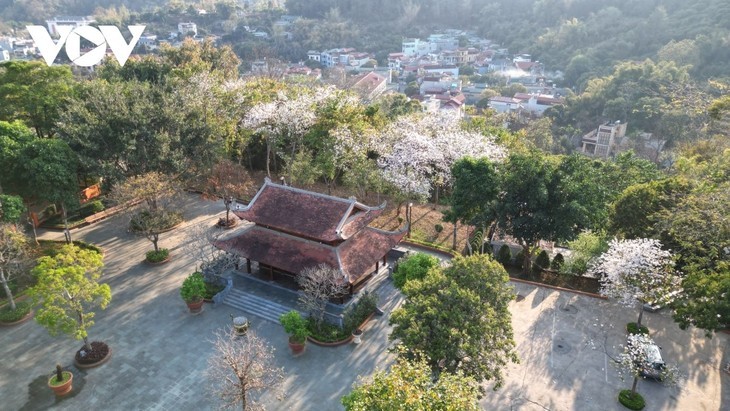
[630, 400]
[633, 328]
[7, 315]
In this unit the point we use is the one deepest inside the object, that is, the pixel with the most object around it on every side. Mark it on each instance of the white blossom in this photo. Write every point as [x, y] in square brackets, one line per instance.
[636, 270]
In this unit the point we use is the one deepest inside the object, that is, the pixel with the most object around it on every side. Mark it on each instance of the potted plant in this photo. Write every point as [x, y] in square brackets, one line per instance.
[192, 291]
[61, 381]
[296, 327]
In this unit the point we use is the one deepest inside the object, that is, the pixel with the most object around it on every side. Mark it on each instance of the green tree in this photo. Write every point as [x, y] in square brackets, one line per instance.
[68, 290]
[547, 198]
[35, 93]
[459, 319]
[11, 208]
[476, 185]
[13, 136]
[48, 170]
[634, 213]
[413, 267]
[409, 386]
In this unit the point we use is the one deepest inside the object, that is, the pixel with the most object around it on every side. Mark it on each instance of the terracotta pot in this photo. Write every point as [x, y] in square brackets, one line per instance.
[296, 347]
[62, 389]
[196, 306]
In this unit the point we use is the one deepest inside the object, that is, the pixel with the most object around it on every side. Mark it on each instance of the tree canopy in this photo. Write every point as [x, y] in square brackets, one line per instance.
[458, 318]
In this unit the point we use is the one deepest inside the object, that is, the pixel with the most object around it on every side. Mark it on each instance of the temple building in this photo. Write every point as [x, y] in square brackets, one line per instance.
[295, 229]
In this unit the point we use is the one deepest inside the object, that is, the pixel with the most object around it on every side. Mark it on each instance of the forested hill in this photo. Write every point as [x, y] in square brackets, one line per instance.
[582, 37]
[35, 10]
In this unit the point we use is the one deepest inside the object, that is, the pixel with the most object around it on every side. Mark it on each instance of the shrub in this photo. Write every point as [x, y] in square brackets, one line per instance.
[519, 258]
[400, 220]
[193, 288]
[633, 328]
[326, 332]
[413, 267]
[439, 228]
[542, 261]
[359, 311]
[95, 206]
[295, 326]
[504, 255]
[7, 315]
[211, 289]
[557, 262]
[631, 400]
[158, 256]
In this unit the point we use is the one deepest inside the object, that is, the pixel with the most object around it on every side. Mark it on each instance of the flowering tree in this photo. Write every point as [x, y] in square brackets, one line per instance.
[636, 362]
[284, 121]
[320, 284]
[419, 150]
[240, 366]
[636, 270]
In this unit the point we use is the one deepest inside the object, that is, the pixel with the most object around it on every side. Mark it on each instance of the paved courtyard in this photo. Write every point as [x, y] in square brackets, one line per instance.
[160, 352]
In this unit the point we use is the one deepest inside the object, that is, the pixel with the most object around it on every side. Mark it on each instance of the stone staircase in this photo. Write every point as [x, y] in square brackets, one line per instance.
[255, 305]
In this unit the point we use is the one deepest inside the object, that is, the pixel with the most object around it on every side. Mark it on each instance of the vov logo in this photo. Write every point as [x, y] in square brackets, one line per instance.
[102, 37]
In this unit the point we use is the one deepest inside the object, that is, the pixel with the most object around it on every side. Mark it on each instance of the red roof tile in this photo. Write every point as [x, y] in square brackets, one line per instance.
[354, 257]
[307, 214]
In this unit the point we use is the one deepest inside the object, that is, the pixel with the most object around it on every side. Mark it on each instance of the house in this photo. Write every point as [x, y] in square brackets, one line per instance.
[370, 85]
[296, 229]
[4, 55]
[508, 105]
[602, 142]
[431, 84]
[186, 28]
[73, 21]
[439, 69]
[148, 41]
[536, 104]
[417, 47]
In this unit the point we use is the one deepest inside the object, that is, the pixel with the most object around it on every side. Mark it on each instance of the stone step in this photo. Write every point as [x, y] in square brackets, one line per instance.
[255, 305]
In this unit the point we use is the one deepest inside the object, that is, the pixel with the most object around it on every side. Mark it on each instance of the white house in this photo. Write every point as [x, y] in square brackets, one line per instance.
[185, 28]
[73, 21]
[602, 142]
[536, 104]
[502, 104]
[417, 47]
[4, 55]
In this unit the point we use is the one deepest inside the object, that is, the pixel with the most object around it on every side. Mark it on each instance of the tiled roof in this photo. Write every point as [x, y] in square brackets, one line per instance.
[292, 254]
[307, 214]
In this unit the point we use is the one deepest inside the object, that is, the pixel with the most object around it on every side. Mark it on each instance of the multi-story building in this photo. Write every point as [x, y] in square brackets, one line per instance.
[186, 28]
[417, 47]
[603, 141]
[73, 21]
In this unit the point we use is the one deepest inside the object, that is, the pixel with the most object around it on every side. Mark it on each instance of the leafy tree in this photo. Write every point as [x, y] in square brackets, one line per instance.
[704, 256]
[635, 212]
[459, 319]
[68, 289]
[396, 105]
[636, 270]
[13, 257]
[542, 262]
[13, 136]
[227, 180]
[413, 267]
[475, 190]
[409, 386]
[541, 199]
[584, 250]
[121, 129]
[35, 93]
[11, 208]
[241, 366]
[505, 255]
[193, 57]
[48, 169]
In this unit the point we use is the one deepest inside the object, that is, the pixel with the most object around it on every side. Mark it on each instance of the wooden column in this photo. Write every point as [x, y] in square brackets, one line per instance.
[385, 259]
[377, 266]
[248, 265]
